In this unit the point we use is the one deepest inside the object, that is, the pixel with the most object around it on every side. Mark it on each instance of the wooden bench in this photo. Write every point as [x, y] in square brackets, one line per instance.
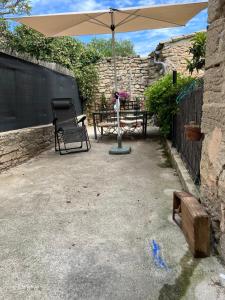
[194, 222]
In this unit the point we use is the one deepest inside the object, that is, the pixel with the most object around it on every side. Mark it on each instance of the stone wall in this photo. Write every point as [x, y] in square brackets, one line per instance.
[17, 146]
[213, 122]
[136, 73]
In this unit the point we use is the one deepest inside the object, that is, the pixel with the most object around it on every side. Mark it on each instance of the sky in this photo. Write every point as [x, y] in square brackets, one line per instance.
[144, 41]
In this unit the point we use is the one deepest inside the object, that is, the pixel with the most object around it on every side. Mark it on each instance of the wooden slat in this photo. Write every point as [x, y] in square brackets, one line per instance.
[194, 223]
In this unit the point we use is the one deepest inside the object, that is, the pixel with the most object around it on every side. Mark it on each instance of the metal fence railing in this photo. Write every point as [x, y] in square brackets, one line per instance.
[190, 109]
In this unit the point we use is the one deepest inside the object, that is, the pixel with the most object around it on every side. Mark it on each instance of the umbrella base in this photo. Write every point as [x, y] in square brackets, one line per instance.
[119, 150]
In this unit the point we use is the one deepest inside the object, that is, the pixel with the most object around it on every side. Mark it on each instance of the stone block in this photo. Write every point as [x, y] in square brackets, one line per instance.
[216, 10]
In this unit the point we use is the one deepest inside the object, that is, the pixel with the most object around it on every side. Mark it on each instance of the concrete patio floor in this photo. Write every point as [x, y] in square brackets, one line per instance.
[81, 226]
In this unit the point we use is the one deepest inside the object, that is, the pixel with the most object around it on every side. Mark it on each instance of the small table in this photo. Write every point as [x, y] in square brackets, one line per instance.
[126, 118]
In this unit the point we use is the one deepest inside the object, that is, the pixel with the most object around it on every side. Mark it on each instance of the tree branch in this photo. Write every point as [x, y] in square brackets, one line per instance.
[13, 6]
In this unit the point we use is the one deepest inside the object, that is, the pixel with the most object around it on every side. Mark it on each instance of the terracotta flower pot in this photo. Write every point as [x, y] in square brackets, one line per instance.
[193, 132]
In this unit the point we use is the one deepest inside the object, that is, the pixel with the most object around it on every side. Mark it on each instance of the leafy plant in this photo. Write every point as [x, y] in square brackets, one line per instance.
[197, 50]
[87, 78]
[14, 7]
[104, 47]
[10, 7]
[161, 99]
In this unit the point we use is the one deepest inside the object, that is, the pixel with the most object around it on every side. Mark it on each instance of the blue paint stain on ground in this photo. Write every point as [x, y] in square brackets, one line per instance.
[156, 253]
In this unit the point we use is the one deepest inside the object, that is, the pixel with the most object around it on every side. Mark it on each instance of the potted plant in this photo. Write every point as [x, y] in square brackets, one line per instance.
[193, 131]
[124, 97]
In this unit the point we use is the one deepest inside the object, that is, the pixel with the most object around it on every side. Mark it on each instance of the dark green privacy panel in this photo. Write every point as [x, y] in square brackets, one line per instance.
[26, 90]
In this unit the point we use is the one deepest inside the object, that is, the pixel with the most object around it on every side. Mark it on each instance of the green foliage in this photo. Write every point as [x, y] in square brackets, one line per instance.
[161, 99]
[14, 7]
[87, 78]
[26, 40]
[10, 7]
[66, 51]
[197, 49]
[5, 34]
[104, 47]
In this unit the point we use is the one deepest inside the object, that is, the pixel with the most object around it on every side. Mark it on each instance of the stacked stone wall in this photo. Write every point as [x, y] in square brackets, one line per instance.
[213, 123]
[134, 74]
[18, 146]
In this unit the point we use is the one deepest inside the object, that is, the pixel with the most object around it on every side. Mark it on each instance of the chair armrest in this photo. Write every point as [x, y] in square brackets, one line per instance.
[81, 119]
[54, 121]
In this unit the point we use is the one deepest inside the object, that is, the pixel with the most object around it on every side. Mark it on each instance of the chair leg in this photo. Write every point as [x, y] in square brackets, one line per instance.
[60, 151]
[88, 145]
[56, 142]
[63, 149]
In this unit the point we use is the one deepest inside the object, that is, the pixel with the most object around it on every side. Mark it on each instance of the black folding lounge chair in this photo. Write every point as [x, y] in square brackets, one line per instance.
[68, 129]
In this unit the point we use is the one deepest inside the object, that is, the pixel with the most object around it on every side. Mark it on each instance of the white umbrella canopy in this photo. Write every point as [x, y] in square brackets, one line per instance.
[125, 20]
[111, 21]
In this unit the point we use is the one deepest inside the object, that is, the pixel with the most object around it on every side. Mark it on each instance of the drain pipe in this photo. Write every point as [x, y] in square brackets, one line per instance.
[157, 62]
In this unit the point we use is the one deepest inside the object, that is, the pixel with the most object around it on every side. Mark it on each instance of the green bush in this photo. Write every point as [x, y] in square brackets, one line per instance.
[197, 50]
[160, 99]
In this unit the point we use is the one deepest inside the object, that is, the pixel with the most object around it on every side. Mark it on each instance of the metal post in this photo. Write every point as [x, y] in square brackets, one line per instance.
[173, 125]
[113, 49]
[119, 138]
[119, 149]
[174, 77]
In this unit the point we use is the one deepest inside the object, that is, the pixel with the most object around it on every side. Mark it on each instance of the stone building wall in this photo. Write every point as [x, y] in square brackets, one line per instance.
[17, 146]
[174, 53]
[213, 122]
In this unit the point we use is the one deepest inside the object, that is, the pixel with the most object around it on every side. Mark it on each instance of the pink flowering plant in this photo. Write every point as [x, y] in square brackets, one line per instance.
[124, 95]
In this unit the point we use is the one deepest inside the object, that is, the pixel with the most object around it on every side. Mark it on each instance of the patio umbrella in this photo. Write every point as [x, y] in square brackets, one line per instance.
[111, 21]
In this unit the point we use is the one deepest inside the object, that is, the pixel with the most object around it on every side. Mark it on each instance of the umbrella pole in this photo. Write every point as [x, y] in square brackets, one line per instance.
[120, 149]
[119, 137]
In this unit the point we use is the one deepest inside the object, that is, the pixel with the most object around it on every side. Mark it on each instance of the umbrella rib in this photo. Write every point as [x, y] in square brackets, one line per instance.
[125, 20]
[87, 20]
[146, 17]
[98, 22]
